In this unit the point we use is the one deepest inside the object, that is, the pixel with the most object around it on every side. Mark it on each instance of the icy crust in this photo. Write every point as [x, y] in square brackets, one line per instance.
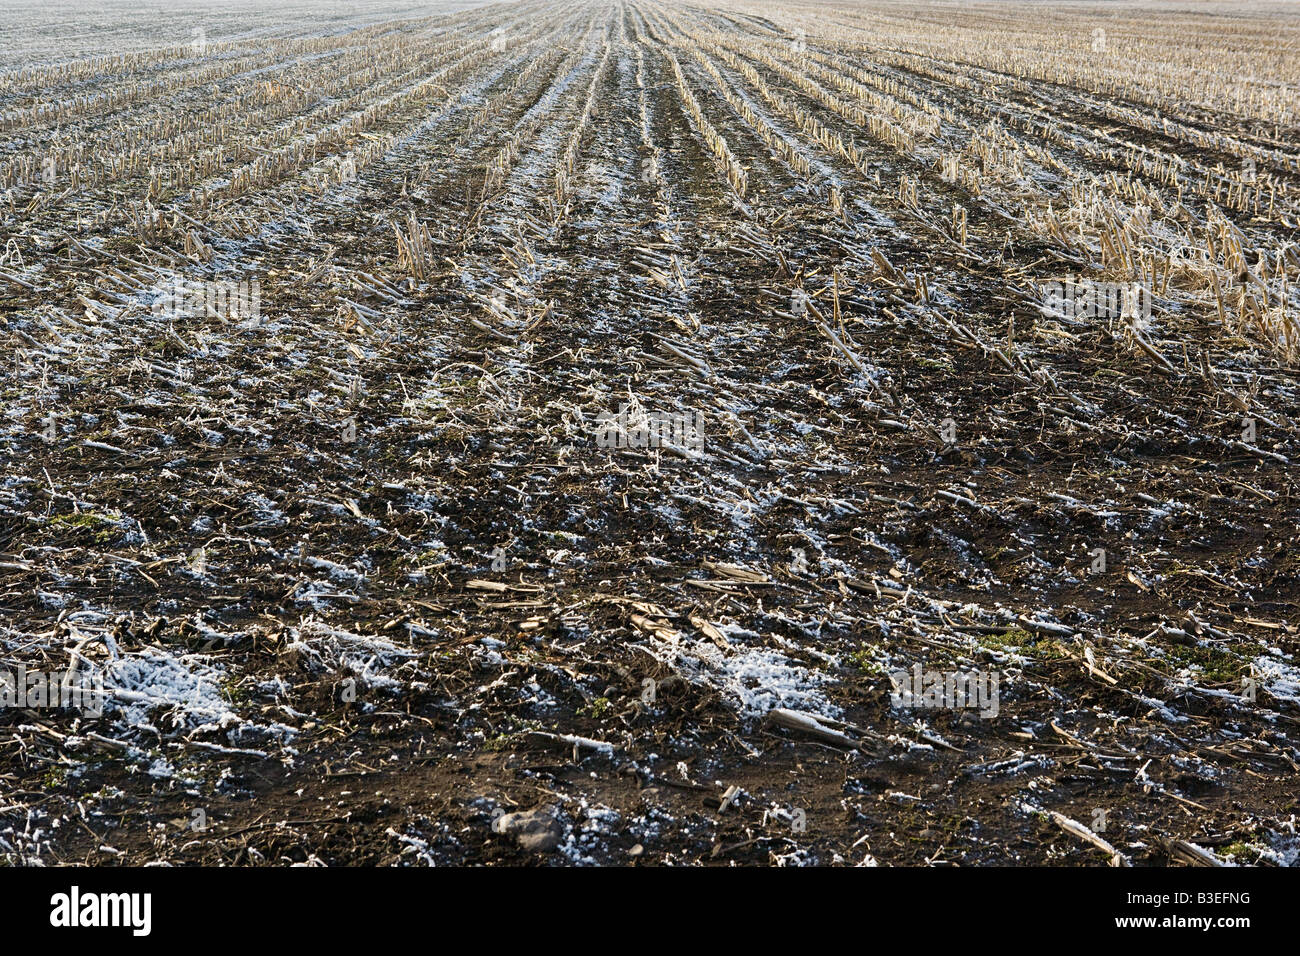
[185, 687]
[751, 679]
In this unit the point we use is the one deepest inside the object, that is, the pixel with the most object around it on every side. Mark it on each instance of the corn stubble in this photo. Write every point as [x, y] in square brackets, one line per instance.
[822, 229]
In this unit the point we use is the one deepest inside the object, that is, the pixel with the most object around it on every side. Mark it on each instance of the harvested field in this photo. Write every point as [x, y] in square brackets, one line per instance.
[415, 416]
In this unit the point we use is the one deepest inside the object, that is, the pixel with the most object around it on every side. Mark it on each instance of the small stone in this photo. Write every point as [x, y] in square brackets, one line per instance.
[536, 831]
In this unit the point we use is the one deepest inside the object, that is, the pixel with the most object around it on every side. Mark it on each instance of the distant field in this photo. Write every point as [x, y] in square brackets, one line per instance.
[416, 414]
[41, 32]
